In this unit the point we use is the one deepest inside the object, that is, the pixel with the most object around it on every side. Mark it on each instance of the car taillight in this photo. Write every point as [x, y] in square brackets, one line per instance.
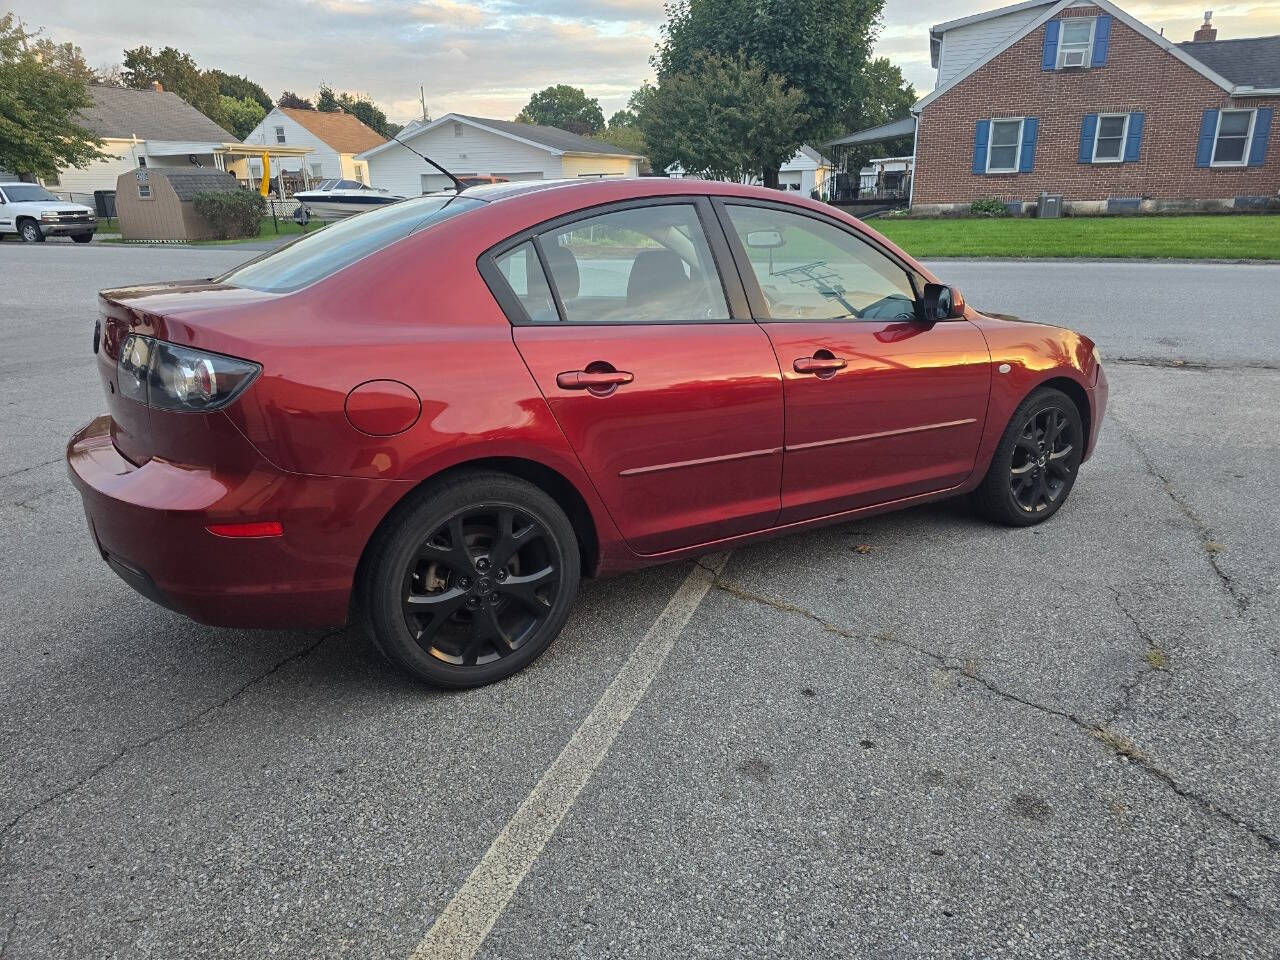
[170, 377]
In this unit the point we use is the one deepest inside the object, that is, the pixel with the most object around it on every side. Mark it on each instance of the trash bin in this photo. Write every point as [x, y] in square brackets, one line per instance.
[104, 203]
[1050, 206]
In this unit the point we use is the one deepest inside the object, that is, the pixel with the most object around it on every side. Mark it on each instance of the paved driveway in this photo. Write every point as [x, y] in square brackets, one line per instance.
[916, 735]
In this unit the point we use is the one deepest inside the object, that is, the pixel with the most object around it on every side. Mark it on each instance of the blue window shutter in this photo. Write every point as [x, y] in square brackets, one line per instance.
[1049, 59]
[981, 133]
[1088, 130]
[1133, 142]
[1208, 128]
[1101, 39]
[1027, 162]
[1261, 134]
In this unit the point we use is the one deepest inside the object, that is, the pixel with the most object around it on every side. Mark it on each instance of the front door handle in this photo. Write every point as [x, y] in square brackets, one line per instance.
[597, 381]
[820, 363]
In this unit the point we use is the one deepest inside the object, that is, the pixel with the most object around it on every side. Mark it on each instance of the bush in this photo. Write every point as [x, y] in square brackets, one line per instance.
[232, 213]
[988, 207]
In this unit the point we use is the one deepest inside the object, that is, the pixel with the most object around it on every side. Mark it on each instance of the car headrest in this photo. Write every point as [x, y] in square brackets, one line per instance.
[656, 275]
[564, 269]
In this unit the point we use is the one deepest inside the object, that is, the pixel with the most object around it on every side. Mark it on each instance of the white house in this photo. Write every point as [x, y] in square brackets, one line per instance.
[803, 173]
[334, 139]
[149, 128]
[476, 146]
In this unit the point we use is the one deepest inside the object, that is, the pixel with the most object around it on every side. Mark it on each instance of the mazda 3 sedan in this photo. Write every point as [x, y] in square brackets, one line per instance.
[439, 415]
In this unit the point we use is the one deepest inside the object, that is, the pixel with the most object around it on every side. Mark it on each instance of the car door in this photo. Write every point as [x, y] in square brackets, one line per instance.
[879, 406]
[671, 399]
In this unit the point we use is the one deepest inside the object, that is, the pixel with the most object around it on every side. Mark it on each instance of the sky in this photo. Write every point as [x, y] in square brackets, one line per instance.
[483, 57]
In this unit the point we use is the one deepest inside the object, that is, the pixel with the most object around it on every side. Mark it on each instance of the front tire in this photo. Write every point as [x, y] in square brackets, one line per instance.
[30, 232]
[470, 579]
[1036, 462]
[82, 237]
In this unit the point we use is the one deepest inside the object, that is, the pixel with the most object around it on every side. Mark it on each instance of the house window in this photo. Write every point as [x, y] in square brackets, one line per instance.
[1108, 143]
[1005, 148]
[144, 191]
[1231, 144]
[279, 134]
[142, 161]
[317, 170]
[457, 129]
[1075, 45]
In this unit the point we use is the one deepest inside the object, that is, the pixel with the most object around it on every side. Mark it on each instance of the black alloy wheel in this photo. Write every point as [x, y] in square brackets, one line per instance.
[470, 579]
[1035, 464]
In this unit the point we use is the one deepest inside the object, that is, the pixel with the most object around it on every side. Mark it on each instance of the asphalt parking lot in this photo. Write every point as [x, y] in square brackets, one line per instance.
[916, 735]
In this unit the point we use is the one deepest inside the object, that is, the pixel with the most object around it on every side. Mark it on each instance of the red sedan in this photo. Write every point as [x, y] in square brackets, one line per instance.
[446, 411]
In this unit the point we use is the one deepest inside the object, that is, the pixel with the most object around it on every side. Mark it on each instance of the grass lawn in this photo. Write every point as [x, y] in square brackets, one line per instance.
[1227, 237]
[266, 231]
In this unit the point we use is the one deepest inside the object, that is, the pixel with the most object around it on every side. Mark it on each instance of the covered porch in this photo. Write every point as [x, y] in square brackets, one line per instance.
[871, 180]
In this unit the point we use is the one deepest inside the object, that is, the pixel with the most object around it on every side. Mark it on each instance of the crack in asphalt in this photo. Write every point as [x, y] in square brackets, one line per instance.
[1173, 363]
[1211, 548]
[1128, 688]
[12, 824]
[34, 466]
[1119, 745]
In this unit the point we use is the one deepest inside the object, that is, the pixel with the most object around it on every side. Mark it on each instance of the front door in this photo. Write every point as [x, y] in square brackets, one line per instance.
[879, 406]
[673, 407]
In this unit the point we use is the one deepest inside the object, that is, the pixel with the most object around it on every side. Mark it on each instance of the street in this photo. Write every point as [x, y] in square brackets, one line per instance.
[915, 735]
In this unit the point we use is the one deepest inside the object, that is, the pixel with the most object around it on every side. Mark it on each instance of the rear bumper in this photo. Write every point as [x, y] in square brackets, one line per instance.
[148, 522]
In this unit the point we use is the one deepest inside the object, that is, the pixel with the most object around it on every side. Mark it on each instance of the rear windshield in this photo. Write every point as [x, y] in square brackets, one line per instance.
[327, 251]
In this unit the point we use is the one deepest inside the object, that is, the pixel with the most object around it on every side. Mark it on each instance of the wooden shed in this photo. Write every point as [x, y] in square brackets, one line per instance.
[158, 203]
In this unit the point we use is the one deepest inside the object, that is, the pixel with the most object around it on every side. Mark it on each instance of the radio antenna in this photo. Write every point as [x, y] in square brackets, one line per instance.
[458, 184]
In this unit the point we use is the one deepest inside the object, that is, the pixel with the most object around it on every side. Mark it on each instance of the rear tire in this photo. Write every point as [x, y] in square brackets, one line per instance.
[30, 231]
[82, 237]
[470, 579]
[1035, 463]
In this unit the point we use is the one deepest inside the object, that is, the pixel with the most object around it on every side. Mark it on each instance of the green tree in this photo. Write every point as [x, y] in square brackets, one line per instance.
[820, 49]
[358, 105]
[566, 107]
[240, 88]
[40, 130]
[628, 138]
[292, 100]
[176, 72]
[725, 117]
[327, 101]
[242, 115]
[888, 97]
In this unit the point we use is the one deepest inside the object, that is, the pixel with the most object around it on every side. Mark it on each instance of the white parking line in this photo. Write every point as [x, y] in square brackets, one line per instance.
[467, 919]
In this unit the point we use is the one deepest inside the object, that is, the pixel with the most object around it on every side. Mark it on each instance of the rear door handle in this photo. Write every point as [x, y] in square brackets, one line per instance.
[603, 381]
[819, 364]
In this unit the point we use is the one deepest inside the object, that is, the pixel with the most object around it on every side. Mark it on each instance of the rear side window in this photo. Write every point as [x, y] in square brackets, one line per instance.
[341, 244]
[648, 264]
[523, 272]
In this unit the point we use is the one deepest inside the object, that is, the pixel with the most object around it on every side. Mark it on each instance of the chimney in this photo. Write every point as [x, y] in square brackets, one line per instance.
[1207, 32]
[158, 87]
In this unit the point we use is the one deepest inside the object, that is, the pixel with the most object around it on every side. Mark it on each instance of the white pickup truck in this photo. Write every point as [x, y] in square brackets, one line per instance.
[33, 213]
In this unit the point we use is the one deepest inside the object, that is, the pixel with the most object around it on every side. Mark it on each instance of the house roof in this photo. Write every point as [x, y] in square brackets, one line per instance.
[552, 139]
[1250, 62]
[188, 183]
[345, 132]
[939, 28]
[886, 131]
[122, 113]
[815, 156]
[1048, 13]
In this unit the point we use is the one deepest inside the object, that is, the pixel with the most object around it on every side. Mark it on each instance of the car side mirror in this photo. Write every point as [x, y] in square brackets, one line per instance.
[941, 302]
[765, 239]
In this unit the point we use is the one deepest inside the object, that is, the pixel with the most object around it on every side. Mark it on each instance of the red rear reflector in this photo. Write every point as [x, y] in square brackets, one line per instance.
[268, 528]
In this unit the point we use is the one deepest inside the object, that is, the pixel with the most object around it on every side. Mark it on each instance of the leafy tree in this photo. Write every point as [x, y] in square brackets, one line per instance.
[566, 107]
[292, 100]
[888, 97]
[40, 131]
[176, 72]
[819, 49]
[358, 105]
[242, 115]
[327, 101]
[66, 58]
[628, 138]
[240, 88]
[726, 117]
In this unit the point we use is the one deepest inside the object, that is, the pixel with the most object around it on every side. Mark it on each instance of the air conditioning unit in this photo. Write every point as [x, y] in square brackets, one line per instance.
[1073, 58]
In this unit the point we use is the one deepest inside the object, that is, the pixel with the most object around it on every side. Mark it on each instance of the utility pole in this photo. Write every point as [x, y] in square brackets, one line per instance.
[422, 96]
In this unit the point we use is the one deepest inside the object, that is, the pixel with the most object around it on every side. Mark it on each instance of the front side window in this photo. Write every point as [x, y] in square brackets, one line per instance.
[279, 134]
[1108, 144]
[649, 264]
[809, 269]
[1235, 129]
[318, 255]
[1006, 145]
[1075, 44]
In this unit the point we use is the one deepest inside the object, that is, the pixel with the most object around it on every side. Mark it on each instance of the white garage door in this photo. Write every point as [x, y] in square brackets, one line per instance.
[432, 182]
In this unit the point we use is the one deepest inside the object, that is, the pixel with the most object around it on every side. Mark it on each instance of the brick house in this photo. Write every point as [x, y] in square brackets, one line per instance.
[1080, 99]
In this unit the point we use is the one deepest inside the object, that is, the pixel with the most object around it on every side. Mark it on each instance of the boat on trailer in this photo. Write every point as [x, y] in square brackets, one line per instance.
[335, 199]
